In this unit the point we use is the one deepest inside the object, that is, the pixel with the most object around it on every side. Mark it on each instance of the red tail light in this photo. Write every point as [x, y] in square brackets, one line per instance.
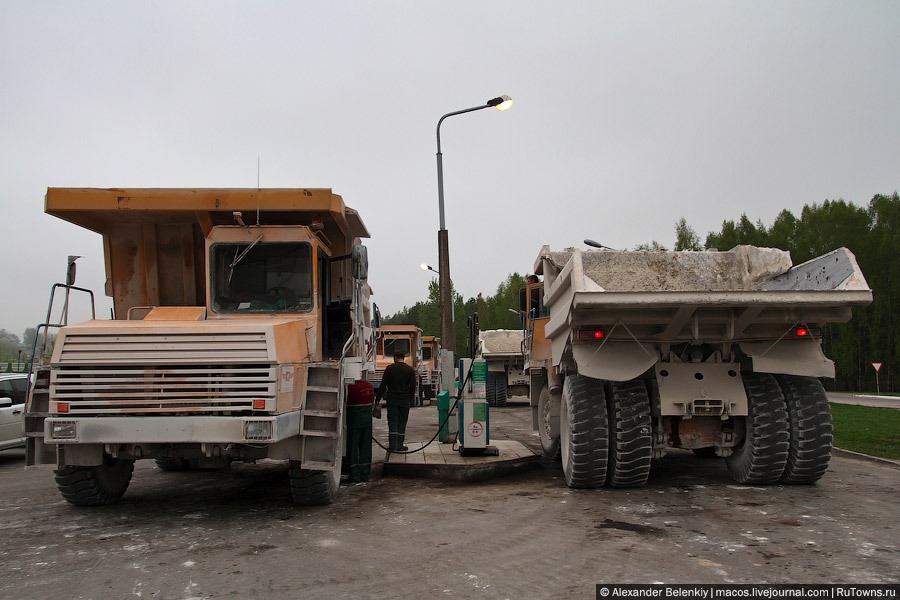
[591, 334]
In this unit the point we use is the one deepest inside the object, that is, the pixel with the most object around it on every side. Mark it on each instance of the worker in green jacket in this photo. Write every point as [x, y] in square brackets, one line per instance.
[398, 387]
[360, 398]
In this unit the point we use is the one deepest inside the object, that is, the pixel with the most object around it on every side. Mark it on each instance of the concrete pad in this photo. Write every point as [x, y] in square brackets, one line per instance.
[440, 461]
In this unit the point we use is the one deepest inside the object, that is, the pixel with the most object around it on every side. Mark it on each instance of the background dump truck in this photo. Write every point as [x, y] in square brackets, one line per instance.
[431, 367]
[631, 353]
[240, 316]
[502, 350]
[397, 338]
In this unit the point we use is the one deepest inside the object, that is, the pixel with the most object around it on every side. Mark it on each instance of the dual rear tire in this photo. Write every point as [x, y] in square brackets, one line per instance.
[496, 391]
[787, 437]
[605, 433]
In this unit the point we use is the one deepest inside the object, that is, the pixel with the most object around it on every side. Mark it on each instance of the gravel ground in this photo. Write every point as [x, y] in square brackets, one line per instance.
[235, 533]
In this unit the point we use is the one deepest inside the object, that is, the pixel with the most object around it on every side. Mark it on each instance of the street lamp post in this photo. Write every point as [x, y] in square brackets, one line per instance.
[448, 331]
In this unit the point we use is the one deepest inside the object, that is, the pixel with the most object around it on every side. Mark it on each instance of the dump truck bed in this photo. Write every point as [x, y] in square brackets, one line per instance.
[501, 342]
[644, 300]
[743, 277]
[153, 238]
[101, 210]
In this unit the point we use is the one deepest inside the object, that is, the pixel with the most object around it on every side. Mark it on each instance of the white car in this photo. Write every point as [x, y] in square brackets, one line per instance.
[13, 387]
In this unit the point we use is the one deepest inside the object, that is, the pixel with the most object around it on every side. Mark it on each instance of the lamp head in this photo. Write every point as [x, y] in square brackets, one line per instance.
[500, 102]
[596, 245]
[425, 267]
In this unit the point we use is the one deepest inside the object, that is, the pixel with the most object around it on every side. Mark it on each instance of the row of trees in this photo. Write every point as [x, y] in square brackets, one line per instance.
[872, 233]
[494, 312]
[14, 351]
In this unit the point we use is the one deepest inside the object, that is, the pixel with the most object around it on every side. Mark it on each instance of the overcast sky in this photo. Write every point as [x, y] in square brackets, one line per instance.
[627, 116]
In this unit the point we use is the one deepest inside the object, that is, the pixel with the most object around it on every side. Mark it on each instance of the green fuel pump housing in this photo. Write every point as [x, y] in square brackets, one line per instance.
[474, 412]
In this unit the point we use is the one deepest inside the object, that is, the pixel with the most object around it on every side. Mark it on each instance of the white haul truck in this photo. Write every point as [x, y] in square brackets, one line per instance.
[632, 353]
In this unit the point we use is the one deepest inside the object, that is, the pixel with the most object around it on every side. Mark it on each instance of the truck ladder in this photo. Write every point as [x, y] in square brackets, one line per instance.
[321, 417]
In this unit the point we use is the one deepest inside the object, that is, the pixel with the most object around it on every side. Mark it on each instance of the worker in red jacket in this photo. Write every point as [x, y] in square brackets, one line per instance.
[360, 398]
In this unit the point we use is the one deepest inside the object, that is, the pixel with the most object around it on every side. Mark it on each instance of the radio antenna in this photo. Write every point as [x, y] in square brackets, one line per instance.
[257, 191]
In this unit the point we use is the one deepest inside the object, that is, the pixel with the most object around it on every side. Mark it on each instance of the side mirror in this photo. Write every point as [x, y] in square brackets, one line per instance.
[359, 262]
[523, 300]
[70, 270]
[5, 402]
[376, 317]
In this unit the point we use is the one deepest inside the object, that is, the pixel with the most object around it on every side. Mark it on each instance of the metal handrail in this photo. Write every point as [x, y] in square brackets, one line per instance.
[46, 325]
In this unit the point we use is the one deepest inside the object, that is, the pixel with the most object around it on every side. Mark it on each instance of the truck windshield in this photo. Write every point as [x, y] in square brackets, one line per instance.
[392, 345]
[262, 277]
[426, 352]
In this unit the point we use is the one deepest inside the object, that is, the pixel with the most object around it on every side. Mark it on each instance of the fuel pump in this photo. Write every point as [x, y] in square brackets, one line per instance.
[474, 412]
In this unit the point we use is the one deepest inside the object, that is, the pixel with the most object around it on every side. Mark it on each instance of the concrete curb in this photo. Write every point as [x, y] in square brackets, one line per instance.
[455, 472]
[865, 457]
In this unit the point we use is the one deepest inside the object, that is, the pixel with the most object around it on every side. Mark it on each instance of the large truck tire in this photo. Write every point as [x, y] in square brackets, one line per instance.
[548, 423]
[500, 389]
[313, 488]
[630, 434]
[490, 389]
[95, 486]
[762, 454]
[584, 432]
[809, 418]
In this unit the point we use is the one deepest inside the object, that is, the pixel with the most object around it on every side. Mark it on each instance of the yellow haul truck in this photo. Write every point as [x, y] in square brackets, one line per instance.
[631, 353]
[397, 338]
[240, 317]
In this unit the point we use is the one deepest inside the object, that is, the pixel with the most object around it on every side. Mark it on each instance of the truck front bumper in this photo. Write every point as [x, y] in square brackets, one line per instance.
[171, 430]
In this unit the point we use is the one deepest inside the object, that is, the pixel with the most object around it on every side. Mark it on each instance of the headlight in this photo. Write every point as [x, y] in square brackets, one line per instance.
[258, 430]
[63, 430]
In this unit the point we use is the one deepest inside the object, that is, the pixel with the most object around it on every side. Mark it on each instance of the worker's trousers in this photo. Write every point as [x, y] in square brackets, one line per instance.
[397, 416]
[359, 441]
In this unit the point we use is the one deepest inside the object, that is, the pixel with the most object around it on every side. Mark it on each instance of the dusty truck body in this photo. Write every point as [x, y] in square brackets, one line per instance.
[502, 350]
[229, 342]
[397, 338]
[632, 353]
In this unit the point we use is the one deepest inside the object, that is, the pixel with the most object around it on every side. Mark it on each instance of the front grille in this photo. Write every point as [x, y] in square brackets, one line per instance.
[118, 390]
[163, 372]
[163, 348]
